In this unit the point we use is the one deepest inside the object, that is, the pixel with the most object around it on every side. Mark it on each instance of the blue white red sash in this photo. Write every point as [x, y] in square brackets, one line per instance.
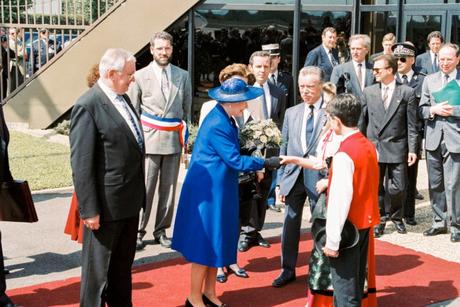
[166, 124]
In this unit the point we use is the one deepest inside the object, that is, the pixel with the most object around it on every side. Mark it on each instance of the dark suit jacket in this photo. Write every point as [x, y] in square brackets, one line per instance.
[424, 61]
[278, 98]
[352, 86]
[286, 83]
[318, 57]
[107, 162]
[394, 131]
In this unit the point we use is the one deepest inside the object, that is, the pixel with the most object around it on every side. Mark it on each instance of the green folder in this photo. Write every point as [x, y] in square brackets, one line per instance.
[449, 93]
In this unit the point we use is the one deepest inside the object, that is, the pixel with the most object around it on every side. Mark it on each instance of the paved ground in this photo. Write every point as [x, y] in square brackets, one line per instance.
[40, 252]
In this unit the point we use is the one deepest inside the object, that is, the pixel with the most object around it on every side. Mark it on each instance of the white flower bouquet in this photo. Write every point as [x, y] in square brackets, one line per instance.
[262, 134]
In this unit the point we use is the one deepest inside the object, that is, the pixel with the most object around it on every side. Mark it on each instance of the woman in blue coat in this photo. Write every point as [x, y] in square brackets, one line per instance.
[206, 227]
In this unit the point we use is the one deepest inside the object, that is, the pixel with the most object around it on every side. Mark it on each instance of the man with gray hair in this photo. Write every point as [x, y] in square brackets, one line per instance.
[161, 94]
[353, 76]
[107, 156]
[298, 184]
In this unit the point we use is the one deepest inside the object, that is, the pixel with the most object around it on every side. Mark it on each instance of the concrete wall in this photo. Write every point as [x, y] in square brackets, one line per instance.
[61, 82]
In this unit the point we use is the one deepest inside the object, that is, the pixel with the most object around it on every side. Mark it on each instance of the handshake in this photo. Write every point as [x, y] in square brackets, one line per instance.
[272, 163]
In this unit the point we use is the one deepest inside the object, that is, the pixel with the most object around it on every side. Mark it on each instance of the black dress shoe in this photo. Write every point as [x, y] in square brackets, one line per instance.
[240, 273]
[455, 237]
[418, 196]
[273, 207]
[261, 241]
[434, 231]
[410, 221]
[283, 279]
[188, 304]
[164, 241]
[379, 230]
[6, 271]
[244, 246]
[221, 278]
[208, 302]
[400, 227]
[139, 244]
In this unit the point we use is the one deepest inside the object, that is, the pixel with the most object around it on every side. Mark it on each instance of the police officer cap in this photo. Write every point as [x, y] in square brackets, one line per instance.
[403, 49]
[274, 49]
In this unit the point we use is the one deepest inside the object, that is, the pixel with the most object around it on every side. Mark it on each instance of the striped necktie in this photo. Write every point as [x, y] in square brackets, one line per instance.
[137, 132]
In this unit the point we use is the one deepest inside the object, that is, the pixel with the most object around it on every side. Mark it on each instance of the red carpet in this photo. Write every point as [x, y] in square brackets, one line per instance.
[404, 278]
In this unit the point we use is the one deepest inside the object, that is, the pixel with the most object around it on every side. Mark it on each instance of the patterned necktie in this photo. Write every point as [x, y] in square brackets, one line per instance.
[331, 57]
[164, 84]
[310, 125]
[386, 101]
[360, 75]
[435, 63]
[137, 132]
[404, 79]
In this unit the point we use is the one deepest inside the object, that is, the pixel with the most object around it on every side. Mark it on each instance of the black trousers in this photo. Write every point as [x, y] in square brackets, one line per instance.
[392, 185]
[349, 272]
[108, 255]
[409, 204]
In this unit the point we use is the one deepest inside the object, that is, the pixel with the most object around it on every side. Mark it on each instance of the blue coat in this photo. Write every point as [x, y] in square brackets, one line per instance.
[207, 226]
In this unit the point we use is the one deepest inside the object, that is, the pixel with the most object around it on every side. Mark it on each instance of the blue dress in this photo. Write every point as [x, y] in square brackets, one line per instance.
[206, 229]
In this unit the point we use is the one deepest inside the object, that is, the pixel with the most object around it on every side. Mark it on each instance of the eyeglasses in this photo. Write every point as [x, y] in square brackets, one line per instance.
[377, 70]
[402, 60]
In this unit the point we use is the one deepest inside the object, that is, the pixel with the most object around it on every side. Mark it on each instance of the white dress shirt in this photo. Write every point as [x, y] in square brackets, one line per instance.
[409, 75]
[363, 72]
[339, 197]
[158, 71]
[391, 88]
[274, 75]
[317, 106]
[267, 96]
[329, 53]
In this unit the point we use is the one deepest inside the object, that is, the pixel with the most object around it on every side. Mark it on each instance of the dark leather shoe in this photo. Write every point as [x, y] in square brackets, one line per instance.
[208, 302]
[188, 304]
[262, 242]
[400, 227]
[243, 246]
[221, 278]
[240, 273]
[164, 241]
[455, 237]
[6, 271]
[418, 196]
[283, 279]
[139, 244]
[379, 230]
[434, 231]
[410, 221]
[274, 208]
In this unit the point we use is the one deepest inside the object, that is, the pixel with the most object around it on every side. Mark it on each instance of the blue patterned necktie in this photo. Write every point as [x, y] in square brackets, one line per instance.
[138, 136]
[310, 125]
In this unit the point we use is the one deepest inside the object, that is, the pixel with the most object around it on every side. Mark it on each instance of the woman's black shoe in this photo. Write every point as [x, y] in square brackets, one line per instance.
[240, 273]
[188, 304]
[221, 278]
[208, 302]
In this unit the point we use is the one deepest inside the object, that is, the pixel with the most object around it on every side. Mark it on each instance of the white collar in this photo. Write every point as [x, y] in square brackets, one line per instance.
[391, 86]
[107, 90]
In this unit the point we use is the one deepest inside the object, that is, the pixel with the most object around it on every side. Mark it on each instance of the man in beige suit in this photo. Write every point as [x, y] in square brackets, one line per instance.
[162, 96]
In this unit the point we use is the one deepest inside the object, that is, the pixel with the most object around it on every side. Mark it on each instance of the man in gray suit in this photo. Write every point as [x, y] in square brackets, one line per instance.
[301, 130]
[390, 122]
[442, 144]
[161, 93]
[429, 60]
[353, 76]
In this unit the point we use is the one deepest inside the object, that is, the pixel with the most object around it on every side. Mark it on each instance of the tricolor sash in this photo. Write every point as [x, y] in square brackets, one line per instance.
[166, 124]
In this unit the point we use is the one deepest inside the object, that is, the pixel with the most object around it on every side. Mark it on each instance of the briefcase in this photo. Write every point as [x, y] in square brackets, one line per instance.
[16, 204]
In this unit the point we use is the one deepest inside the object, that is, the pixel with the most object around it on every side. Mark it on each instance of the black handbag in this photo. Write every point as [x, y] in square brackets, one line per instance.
[16, 204]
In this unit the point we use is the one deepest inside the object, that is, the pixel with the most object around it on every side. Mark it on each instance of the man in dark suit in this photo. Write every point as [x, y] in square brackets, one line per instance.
[107, 154]
[388, 41]
[413, 77]
[44, 49]
[271, 105]
[442, 146]
[430, 59]
[5, 176]
[281, 79]
[353, 76]
[390, 122]
[325, 56]
[301, 130]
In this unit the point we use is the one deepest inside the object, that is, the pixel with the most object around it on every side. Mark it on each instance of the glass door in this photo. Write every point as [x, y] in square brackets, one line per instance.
[418, 24]
[453, 27]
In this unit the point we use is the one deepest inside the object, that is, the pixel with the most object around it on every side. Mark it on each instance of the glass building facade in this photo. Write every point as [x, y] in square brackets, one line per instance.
[216, 33]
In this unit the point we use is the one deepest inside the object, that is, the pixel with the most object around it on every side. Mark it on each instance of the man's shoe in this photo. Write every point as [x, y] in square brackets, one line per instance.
[6, 271]
[262, 242]
[139, 244]
[410, 221]
[400, 227]
[378, 230]
[418, 196]
[164, 241]
[273, 207]
[283, 279]
[455, 237]
[434, 231]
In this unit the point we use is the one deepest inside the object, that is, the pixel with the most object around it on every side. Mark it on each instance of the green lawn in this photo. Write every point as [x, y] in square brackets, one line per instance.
[43, 164]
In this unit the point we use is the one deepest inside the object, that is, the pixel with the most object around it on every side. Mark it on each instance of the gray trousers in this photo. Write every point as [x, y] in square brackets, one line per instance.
[165, 170]
[444, 187]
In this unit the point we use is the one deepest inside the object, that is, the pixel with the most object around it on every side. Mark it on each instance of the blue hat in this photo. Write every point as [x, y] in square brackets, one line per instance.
[234, 90]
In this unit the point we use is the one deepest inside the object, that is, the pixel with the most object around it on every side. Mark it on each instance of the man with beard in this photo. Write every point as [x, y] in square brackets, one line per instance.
[161, 93]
